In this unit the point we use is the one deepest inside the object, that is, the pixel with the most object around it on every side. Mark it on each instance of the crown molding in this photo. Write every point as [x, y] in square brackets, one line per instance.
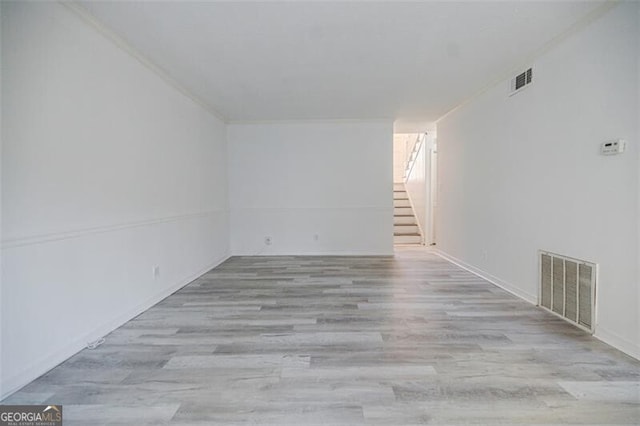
[124, 45]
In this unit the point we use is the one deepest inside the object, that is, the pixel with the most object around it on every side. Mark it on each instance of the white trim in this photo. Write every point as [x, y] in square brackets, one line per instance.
[620, 343]
[46, 363]
[77, 233]
[423, 147]
[420, 142]
[432, 188]
[610, 338]
[531, 298]
[573, 29]
[347, 253]
[87, 17]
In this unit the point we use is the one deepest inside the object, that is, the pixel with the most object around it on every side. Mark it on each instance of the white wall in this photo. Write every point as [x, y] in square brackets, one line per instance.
[399, 155]
[416, 185]
[292, 181]
[524, 173]
[107, 171]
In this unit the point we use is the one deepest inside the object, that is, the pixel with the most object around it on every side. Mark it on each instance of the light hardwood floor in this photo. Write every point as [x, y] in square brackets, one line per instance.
[343, 341]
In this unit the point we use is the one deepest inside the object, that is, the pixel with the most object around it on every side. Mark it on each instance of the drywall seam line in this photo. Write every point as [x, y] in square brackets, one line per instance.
[573, 29]
[87, 17]
[77, 233]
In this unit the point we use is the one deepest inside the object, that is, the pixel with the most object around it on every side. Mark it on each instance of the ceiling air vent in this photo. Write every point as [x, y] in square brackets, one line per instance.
[568, 288]
[521, 81]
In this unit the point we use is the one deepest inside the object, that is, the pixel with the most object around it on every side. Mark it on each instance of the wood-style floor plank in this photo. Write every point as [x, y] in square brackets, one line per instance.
[403, 340]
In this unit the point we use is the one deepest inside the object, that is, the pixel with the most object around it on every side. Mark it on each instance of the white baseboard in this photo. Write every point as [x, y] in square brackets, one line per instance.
[612, 339]
[50, 361]
[531, 298]
[317, 253]
[620, 343]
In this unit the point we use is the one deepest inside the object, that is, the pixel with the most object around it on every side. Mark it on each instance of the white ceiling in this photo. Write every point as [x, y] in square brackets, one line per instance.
[337, 60]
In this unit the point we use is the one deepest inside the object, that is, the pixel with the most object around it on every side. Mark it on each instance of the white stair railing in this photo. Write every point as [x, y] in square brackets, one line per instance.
[413, 153]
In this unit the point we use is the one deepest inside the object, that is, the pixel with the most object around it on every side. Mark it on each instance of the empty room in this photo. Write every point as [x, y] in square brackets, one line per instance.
[320, 212]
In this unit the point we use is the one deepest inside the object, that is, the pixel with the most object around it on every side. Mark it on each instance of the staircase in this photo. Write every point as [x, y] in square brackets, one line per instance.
[405, 227]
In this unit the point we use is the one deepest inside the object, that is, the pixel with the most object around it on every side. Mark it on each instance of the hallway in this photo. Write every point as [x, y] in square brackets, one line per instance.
[410, 339]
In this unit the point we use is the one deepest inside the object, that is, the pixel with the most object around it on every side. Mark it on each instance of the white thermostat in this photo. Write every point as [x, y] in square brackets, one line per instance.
[613, 147]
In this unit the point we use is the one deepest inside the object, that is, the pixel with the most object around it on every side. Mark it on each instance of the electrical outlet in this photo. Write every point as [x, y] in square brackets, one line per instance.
[156, 272]
[316, 237]
[267, 241]
[485, 255]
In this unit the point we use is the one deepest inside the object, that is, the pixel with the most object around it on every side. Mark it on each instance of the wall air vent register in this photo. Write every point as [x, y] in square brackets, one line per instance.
[521, 81]
[568, 289]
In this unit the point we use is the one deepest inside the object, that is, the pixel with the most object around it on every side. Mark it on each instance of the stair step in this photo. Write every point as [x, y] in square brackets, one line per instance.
[405, 229]
[401, 203]
[402, 211]
[407, 239]
[404, 220]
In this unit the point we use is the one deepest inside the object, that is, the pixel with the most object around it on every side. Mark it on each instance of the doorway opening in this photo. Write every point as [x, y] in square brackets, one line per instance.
[414, 188]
